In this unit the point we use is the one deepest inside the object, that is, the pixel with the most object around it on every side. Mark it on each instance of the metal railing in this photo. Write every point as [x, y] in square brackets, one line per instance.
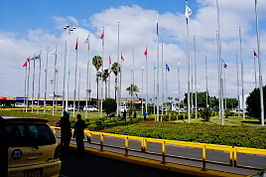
[233, 151]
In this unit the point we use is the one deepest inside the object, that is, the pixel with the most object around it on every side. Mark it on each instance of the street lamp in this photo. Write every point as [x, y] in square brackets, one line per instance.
[70, 28]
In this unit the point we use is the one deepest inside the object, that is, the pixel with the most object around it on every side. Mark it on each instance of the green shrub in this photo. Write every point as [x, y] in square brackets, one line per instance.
[109, 105]
[228, 113]
[205, 114]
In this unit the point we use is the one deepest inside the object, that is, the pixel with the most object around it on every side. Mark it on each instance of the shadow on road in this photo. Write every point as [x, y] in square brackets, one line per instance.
[95, 166]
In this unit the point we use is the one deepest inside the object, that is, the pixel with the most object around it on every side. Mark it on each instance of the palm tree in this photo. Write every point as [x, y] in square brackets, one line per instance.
[105, 76]
[115, 69]
[97, 62]
[132, 89]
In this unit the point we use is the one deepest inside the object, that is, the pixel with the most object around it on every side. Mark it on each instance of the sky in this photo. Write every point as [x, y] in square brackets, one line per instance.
[28, 27]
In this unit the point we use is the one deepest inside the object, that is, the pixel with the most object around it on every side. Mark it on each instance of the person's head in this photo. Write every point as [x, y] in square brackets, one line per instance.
[65, 114]
[78, 116]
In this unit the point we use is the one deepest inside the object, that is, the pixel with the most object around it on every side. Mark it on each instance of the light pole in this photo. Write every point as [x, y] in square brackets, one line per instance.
[70, 28]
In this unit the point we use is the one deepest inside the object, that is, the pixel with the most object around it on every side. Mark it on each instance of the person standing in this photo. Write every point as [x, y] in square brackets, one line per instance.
[79, 134]
[65, 132]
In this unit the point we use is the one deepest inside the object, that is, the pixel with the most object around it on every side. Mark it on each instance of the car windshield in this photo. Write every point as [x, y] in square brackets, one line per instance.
[30, 134]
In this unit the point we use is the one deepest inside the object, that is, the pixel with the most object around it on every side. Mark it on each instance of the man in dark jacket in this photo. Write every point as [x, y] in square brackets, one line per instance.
[79, 134]
[65, 132]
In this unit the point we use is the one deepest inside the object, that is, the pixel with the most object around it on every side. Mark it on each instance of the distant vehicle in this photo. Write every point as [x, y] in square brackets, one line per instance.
[20, 105]
[71, 109]
[89, 108]
[32, 147]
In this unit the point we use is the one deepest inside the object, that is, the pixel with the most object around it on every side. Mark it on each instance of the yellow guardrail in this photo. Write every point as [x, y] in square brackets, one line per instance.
[233, 151]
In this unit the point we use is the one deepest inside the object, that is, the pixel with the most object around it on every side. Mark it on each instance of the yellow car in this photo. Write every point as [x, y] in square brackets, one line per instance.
[33, 150]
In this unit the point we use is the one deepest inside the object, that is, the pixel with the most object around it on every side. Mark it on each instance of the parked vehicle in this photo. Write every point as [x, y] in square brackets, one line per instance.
[89, 108]
[32, 147]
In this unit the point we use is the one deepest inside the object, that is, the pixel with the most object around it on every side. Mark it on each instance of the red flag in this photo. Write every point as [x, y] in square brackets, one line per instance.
[225, 65]
[146, 52]
[25, 64]
[28, 59]
[102, 36]
[122, 58]
[77, 44]
[255, 54]
[110, 60]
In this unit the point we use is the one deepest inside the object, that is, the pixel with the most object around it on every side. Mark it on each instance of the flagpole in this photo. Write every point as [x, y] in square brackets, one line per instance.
[206, 78]
[64, 77]
[55, 62]
[178, 76]
[25, 86]
[255, 69]
[163, 86]
[33, 80]
[237, 83]
[79, 89]
[75, 81]
[45, 82]
[87, 76]
[154, 89]
[188, 59]
[195, 77]
[109, 78]
[242, 74]
[39, 84]
[219, 47]
[28, 87]
[101, 106]
[133, 67]
[146, 102]
[158, 70]
[142, 70]
[260, 76]
[118, 77]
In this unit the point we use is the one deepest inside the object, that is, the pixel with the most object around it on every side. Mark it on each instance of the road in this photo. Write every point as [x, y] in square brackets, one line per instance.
[90, 165]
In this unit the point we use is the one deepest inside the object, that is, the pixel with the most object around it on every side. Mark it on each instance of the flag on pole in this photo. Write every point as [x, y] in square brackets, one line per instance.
[110, 60]
[188, 11]
[28, 59]
[157, 23]
[122, 58]
[25, 64]
[225, 65]
[146, 52]
[102, 36]
[76, 46]
[167, 67]
[255, 54]
[154, 67]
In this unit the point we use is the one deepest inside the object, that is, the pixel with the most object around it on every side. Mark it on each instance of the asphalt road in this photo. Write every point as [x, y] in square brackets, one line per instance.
[95, 166]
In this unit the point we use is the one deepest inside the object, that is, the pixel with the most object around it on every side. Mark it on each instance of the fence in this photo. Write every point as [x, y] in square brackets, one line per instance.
[233, 151]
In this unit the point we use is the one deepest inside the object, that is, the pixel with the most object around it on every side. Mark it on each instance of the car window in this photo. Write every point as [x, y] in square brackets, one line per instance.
[25, 135]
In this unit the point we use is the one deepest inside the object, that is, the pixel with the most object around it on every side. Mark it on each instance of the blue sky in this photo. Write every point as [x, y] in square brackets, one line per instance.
[33, 25]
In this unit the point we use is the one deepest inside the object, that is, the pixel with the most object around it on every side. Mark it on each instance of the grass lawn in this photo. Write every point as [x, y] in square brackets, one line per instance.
[231, 121]
[242, 136]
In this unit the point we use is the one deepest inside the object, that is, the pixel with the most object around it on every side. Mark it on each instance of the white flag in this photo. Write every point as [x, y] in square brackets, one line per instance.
[188, 12]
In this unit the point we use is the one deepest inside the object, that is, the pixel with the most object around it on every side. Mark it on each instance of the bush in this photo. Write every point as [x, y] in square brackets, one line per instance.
[227, 113]
[205, 114]
[109, 105]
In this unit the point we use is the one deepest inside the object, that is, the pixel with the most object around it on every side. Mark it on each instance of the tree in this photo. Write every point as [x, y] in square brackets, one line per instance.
[105, 76]
[109, 105]
[253, 103]
[132, 89]
[97, 62]
[115, 69]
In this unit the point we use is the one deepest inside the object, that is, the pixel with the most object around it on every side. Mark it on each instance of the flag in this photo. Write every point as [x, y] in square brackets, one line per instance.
[157, 23]
[76, 46]
[167, 67]
[122, 58]
[110, 60]
[146, 52]
[154, 67]
[225, 65]
[255, 54]
[25, 64]
[28, 59]
[188, 11]
[102, 36]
